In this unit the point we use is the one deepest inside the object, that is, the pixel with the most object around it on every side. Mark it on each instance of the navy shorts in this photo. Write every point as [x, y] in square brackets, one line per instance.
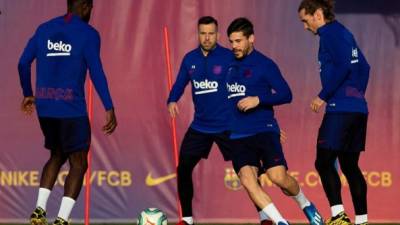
[263, 150]
[343, 131]
[196, 143]
[66, 134]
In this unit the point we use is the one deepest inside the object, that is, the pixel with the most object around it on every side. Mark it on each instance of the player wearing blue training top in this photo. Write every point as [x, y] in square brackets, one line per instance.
[344, 74]
[64, 48]
[255, 85]
[205, 68]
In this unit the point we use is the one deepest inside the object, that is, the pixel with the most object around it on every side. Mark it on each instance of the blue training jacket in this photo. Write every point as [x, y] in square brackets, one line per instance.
[255, 75]
[64, 48]
[207, 75]
[344, 70]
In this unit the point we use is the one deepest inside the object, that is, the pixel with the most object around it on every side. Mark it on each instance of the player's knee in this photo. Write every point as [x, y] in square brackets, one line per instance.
[351, 169]
[78, 162]
[278, 179]
[79, 166]
[321, 165]
[182, 169]
[318, 165]
[58, 156]
[248, 181]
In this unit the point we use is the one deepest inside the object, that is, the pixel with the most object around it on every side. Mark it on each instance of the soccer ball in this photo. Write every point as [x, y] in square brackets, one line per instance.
[152, 216]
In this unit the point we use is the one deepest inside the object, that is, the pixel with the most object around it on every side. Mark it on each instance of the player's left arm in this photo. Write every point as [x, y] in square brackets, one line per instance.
[340, 51]
[281, 94]
[92, 57]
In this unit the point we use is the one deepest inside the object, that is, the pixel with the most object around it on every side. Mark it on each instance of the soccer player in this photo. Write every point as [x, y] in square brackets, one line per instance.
[255, 85]
[205, 67]
[344, 74]
[64, 48]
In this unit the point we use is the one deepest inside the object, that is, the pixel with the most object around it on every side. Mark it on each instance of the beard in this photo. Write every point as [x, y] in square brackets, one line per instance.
[208, 48]
[241, 53]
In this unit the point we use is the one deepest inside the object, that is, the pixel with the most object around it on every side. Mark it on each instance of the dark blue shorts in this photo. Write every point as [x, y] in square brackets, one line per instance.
[66, 134]
[263, 150]
[196, 143]
[343, 131]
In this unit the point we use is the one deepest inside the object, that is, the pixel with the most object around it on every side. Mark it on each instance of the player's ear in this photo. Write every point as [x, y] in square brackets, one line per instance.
[319, 14]
[252, 38]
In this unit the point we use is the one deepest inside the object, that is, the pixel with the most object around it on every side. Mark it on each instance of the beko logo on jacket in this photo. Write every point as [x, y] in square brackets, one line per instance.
[205, 86]
[60, 48]
[236, 90]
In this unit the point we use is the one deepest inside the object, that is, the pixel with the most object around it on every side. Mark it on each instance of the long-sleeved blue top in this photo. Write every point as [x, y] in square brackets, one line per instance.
[64, 48]
[344, 70]
[255, 75]
[207, 76]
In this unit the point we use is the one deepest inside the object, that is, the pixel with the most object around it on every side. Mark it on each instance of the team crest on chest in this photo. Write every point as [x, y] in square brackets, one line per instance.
[248, 73]
[217, 69]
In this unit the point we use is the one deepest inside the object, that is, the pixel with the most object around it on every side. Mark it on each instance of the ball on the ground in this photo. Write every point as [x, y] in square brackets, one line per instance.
[152, 216]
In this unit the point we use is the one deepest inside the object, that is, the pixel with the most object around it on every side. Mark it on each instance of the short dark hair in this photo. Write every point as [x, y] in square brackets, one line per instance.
[241, 24]
[310, 6]
[72, 3]
[207, 20]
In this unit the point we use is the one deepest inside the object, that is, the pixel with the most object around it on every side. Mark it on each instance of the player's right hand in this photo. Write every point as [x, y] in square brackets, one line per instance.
[316, 104]
[111, 122]
[28, 105]
[173, 109]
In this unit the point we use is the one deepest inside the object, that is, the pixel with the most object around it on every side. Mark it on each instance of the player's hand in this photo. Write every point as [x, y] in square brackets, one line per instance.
[28, 105]
[111, 122]
[248, 103]
[283, 136]
[173, 109]
[316, 104]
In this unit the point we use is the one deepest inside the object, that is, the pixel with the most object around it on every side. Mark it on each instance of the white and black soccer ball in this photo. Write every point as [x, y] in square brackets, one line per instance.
[152, 216]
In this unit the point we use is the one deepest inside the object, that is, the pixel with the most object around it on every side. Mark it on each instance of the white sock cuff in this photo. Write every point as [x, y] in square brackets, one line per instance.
[188, 219]
[301, 199]
[273, 213]
[361, 219]
[43, 196]
[263, 216]
[336, 209]
[67, 204]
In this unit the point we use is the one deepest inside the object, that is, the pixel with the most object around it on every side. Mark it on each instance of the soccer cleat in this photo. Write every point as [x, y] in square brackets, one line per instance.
[60, 221]
[313, 215]
[340, 219]
[38, 217]
[266, 222]
[182, 222]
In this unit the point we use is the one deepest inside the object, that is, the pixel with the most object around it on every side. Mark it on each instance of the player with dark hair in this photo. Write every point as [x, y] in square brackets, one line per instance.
[344, 74]
[64, 48]
[255, 85]
[205, 67]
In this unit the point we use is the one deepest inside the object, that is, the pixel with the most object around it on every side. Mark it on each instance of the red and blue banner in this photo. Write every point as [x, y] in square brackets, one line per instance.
[134, 168]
